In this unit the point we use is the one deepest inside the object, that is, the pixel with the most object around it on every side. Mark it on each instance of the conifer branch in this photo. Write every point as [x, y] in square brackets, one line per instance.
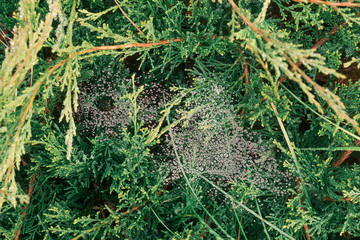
[23, 214]
[22, 121]
[123, 12]
[247, 22]
[119, 150]
[316, 46]
[306, 227]
[332, 4]
[333, 100]
[51, 70]
[298, 180]
[35, 49]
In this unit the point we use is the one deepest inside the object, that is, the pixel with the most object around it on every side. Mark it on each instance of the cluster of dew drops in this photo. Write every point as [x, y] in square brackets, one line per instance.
[211, 142]
[103, 109]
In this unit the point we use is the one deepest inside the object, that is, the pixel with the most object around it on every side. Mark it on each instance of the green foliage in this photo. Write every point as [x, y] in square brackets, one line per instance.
[179, 119]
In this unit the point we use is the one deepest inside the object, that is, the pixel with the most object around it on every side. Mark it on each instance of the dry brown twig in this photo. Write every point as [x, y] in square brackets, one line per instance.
[6, 28]
[335, 5]
[344, 156]
[4, 35]
[8, 47]
[30, 193]
[3, 39]
[123, 12]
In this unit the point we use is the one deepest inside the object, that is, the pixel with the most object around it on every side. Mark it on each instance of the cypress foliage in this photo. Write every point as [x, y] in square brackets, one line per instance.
[170, 119]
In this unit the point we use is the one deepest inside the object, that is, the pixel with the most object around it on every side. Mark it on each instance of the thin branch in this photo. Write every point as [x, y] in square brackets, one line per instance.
[5, 44]
[4, 36]
[297, 179]
[318, 44]
[346, 199]
[30, 192]
[123, 12]
[332, 4]
[125, 46]
[344, 156]
[6, 28]
[250, 24]
[306, 227]
[246, 73]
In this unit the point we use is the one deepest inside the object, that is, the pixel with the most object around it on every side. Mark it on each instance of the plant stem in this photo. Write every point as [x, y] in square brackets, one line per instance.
[123, 12]
[345, 156]
[332, 4]
[30, 192]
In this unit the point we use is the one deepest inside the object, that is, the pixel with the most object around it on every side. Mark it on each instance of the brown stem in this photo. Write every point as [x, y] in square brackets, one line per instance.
[306, 227]
[250, 24]
[246, 73]
[332, 4]
[30, 193]
[344, 156]
[8, 47]
[317, 45]
[4, 34]
[123, 12]
[346, 199]
[3, 39]
[6, 28]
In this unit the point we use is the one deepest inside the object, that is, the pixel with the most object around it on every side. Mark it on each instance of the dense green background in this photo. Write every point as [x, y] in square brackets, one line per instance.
[198, 90]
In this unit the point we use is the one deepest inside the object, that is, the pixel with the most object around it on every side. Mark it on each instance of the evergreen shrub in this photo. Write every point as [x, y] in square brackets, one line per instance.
[190, 119]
